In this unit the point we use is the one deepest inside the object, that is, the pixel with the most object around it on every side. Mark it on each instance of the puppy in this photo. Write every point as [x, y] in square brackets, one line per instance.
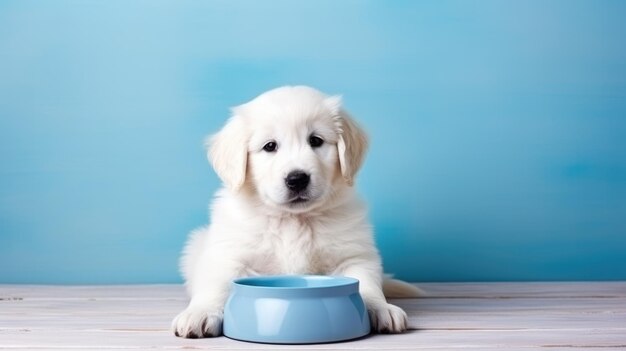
[288, 160]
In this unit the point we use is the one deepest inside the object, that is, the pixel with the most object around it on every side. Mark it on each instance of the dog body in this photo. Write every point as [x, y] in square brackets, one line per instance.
[287, 159]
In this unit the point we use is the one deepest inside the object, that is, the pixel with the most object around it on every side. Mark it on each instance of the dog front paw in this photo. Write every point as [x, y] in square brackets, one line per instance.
[387, 318]
[198, 323]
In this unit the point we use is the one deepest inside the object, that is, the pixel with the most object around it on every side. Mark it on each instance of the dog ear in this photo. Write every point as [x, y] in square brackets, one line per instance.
[352, 143]
[228, 153]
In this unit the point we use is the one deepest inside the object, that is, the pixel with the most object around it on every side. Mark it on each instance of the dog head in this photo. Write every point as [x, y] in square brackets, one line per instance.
[291, 147]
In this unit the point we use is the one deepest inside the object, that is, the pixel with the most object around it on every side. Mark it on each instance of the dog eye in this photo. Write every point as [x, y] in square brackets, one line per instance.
[315, 141]
[270, 147]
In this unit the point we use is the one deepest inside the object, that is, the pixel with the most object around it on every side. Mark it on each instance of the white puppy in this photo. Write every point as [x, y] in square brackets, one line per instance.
[288, 159]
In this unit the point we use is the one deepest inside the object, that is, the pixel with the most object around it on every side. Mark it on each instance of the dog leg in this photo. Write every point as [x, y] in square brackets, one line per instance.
[384, 317]
[204, 315]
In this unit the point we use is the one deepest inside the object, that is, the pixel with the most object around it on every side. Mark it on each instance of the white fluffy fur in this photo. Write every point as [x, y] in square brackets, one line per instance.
[255, 229]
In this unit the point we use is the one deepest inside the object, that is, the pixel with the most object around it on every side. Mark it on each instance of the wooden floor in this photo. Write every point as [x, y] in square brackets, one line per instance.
[482, 316]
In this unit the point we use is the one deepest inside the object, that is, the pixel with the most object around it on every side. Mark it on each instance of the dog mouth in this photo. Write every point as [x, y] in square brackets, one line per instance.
[299, 200]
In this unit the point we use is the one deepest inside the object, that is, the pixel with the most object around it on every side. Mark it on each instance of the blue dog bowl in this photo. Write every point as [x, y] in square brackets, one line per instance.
[298, 309]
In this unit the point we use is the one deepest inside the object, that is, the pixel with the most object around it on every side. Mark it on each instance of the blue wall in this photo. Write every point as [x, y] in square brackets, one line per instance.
[498, 129]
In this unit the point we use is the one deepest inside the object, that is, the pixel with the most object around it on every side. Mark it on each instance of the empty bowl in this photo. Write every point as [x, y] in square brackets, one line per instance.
[296, 309]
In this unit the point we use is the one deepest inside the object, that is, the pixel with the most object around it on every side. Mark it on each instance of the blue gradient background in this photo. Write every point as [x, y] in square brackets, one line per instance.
[498, 129]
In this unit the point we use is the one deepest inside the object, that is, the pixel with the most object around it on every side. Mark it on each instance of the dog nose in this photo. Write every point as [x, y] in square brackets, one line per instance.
[297, 180]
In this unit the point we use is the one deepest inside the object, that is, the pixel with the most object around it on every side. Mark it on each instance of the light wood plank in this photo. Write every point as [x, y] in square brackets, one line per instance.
[458, 315]
[424, 313]
[558, 290]
[427, 339]
[433, 290]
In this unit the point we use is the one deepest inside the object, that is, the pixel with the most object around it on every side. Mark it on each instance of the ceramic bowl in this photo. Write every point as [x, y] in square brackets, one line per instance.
[299, 309]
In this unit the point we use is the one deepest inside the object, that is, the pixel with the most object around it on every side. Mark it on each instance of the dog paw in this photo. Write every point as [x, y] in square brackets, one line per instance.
[388, 318]
[197, 323]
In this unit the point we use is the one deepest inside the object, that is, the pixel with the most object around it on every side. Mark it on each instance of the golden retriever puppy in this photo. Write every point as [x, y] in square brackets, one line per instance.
[288, 160]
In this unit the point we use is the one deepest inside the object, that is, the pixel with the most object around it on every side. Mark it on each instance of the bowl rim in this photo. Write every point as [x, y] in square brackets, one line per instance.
[337, 281]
